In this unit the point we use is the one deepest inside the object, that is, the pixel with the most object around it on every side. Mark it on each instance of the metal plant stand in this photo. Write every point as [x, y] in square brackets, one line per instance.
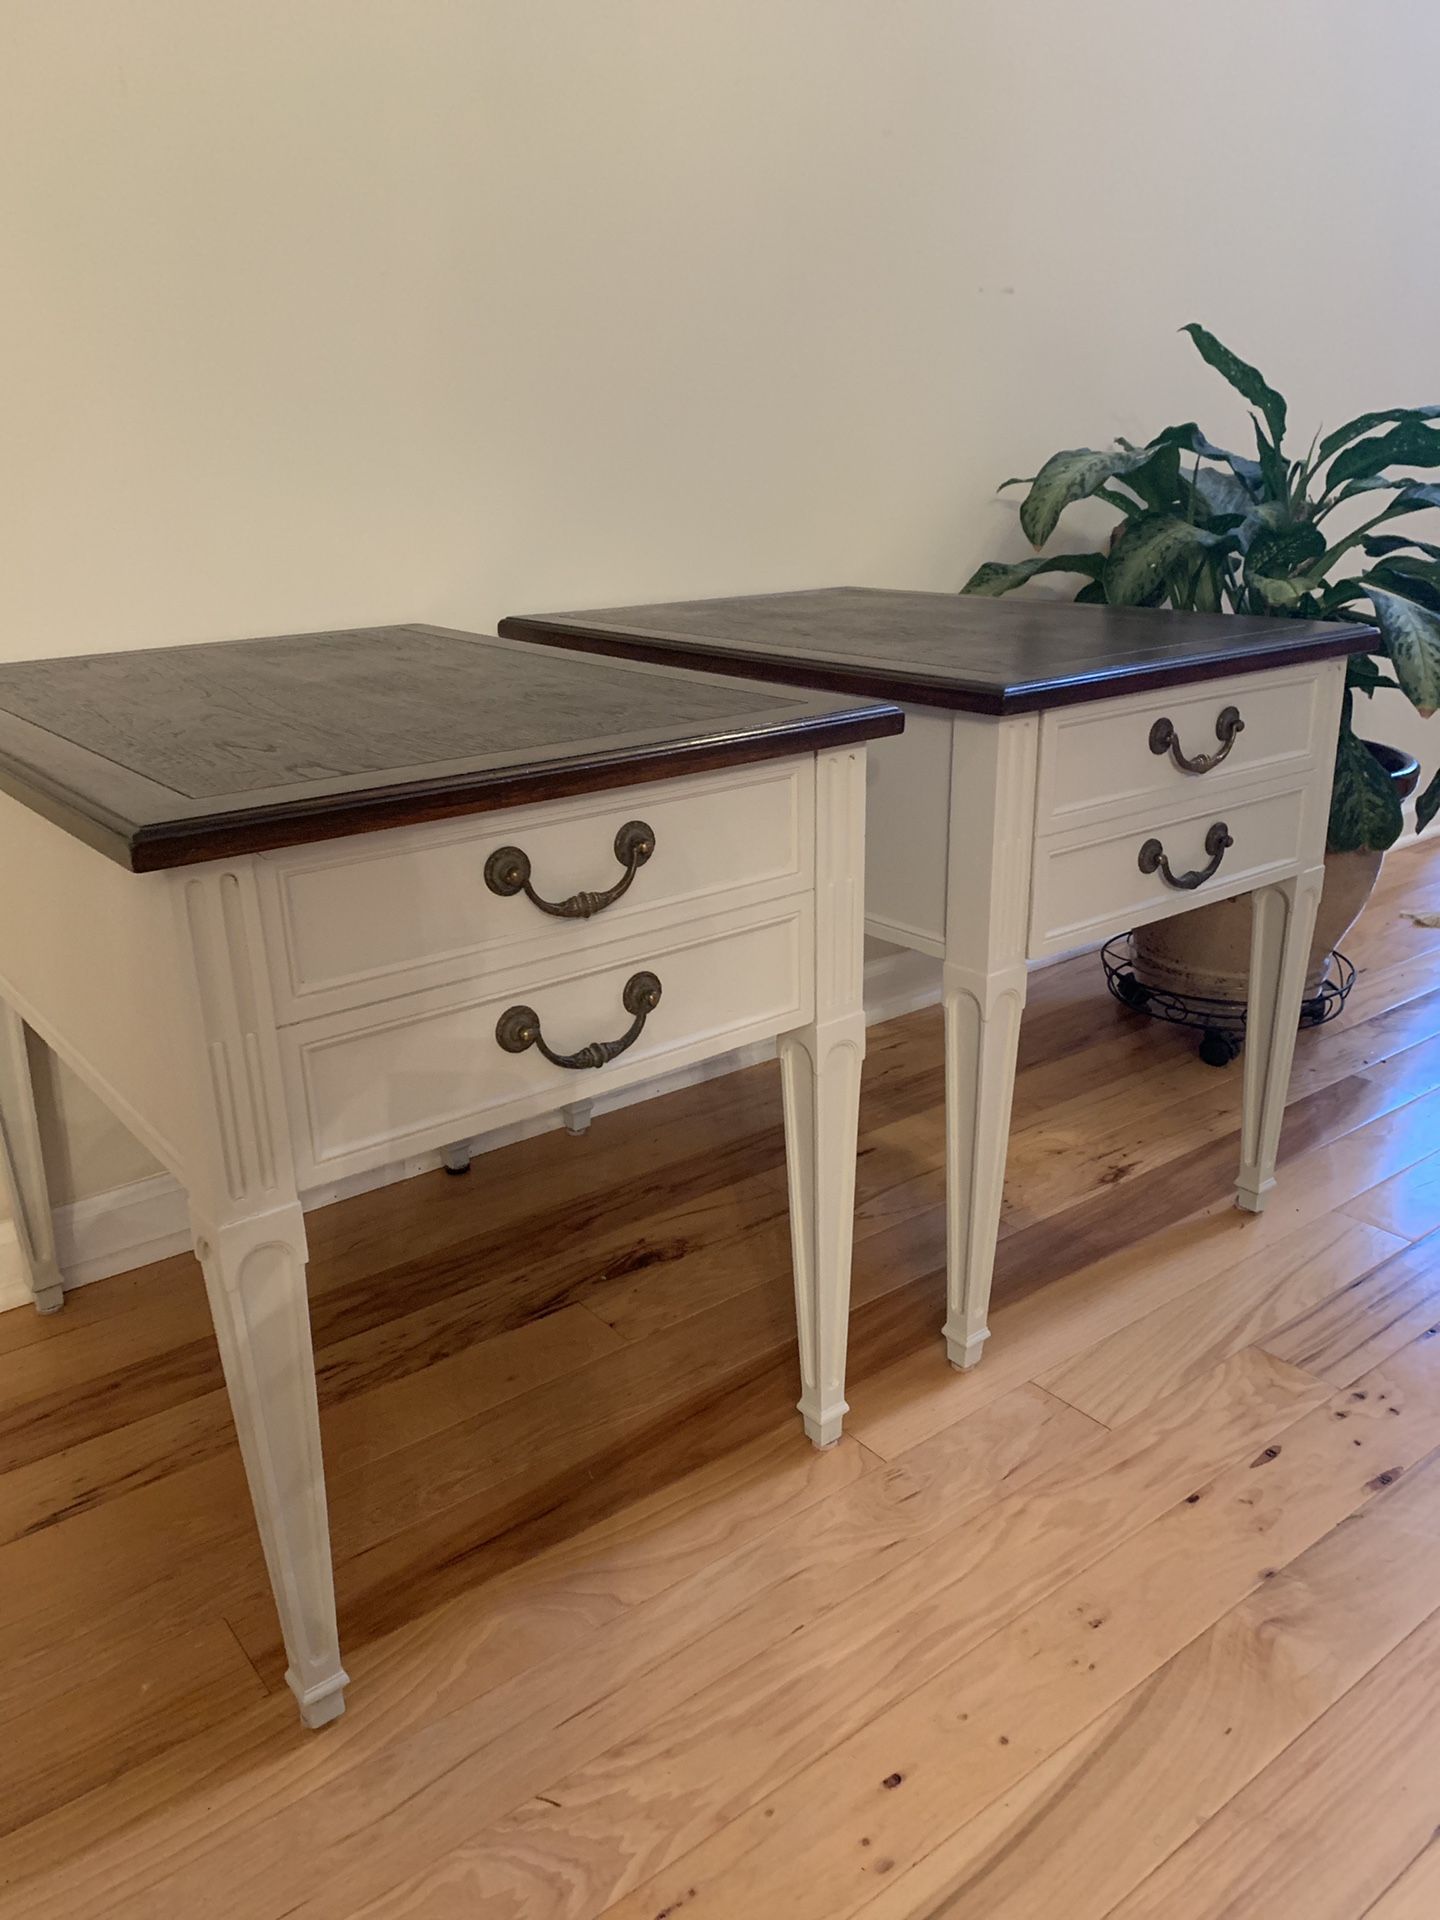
[1220, 1023]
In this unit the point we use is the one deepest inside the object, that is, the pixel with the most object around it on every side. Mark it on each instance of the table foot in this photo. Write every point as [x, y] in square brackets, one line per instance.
[323, 1702]
[965, 1352]
[1252, 1199]
[824, 1429]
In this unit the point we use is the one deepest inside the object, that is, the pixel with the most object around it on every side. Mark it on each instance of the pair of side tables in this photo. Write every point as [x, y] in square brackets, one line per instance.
[298, 908]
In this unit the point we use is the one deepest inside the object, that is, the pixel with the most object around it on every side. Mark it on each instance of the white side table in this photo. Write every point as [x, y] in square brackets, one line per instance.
[1066, 773]
[299, 908]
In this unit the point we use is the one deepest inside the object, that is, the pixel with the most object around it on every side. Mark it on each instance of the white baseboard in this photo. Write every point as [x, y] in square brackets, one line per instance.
[130, 1226]
[13, 1290]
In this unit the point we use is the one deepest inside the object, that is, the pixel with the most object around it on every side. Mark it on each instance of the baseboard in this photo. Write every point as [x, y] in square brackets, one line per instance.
[109, 1233]
[13, 1290]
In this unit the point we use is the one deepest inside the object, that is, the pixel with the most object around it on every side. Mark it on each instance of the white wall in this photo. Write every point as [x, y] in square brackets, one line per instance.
[320, 311]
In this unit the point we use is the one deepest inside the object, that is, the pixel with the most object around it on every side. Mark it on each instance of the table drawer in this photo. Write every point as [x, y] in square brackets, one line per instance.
[1101, 760]
[391, 913]
[1092, 884]
[371, 1084]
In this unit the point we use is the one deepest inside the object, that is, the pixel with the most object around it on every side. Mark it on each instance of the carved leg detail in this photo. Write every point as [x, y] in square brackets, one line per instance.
[23, 1167]
[982, 1034]
[255, 1277]
[820, 1081]
[1282, 925]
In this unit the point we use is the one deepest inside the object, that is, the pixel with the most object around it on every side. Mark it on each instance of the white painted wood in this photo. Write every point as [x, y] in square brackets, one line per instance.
[89, 960]
[379, 915]
[992, 788]
[1283, 924]
[255, 1277]
[405, 1075]
[131, 1226]
[22, 1168]
[1089, 884]
[820, 1065]
[1096, 762]
[175, 1024]
[250, 1240]
[908, 832]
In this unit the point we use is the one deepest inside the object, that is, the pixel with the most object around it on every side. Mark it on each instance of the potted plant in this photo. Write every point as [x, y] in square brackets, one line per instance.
[1202, 529]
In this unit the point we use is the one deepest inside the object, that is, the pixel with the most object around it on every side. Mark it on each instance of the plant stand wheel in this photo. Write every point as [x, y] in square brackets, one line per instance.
[1220, 1023]
[1218, 1048]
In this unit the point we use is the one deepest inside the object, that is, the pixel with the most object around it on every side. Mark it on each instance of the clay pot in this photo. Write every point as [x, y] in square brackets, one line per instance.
[1206, 954]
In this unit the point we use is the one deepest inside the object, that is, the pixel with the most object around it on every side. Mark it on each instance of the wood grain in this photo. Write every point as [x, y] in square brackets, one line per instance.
[1084, 1828]
[944, 649]
[602, 1607]
[168, 755]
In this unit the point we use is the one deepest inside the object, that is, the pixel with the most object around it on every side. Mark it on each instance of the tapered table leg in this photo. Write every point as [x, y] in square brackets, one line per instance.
[820, 1082]
[250, 1239]
[820, 1067]
[982, 1037]
[1282, 926]
[987, 908]
[255, 1277]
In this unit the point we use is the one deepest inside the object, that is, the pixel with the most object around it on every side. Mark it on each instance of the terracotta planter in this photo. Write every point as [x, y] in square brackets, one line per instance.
[1206, 954]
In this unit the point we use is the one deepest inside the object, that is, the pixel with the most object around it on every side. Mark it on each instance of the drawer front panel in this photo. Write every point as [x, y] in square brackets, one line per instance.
[1092, 884]
[369, 1085]
[1097, 761]
[396, 912]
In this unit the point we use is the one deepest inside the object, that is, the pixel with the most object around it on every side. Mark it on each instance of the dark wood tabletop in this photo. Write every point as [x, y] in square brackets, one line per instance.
[171, 755]
[971, 652]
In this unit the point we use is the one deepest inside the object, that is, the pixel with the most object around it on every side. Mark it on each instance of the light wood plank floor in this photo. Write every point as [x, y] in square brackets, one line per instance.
[1142, 1618]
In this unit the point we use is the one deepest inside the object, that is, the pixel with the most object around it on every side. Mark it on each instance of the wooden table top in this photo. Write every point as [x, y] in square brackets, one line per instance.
[171, 755]
[966, 651]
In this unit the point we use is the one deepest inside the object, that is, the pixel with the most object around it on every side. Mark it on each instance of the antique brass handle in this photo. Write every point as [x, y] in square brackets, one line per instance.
[1152, 858]
[507, 872]
[1228, 727]
[519, 1027]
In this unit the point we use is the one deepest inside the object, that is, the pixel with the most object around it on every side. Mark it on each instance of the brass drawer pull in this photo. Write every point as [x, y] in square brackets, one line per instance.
[1152, 859]
[507, 872]
[1228, 727]
[519, 1027]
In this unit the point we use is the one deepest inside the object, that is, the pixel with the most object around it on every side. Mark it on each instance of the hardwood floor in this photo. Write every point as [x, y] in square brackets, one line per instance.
[1139, 1619]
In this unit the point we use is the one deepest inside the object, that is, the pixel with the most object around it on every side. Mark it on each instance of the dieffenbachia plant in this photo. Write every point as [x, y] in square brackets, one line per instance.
[1207, 530]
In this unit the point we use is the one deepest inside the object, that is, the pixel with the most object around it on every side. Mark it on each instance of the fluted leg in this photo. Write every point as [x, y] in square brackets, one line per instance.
[1282, 925]
[820, 1081]
[982, 1034]
[255, 1277]
[23, 1167]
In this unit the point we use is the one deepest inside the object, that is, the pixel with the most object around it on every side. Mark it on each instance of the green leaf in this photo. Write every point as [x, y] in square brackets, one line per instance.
[1364, 809]
[1338, 594]
[1282, 596]
[1411, 575]
[1383, 543]
[1281, 551]
[1143, 559]
[1157, 479]
[1410, 444]
[997, 576]
[1428, 804]
[1363, 673]
[1416, 494]
[1069, 476]
[1412, 640]
[1247, 382]
[1091, 596]
[1221, 493]
[1363, 422]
